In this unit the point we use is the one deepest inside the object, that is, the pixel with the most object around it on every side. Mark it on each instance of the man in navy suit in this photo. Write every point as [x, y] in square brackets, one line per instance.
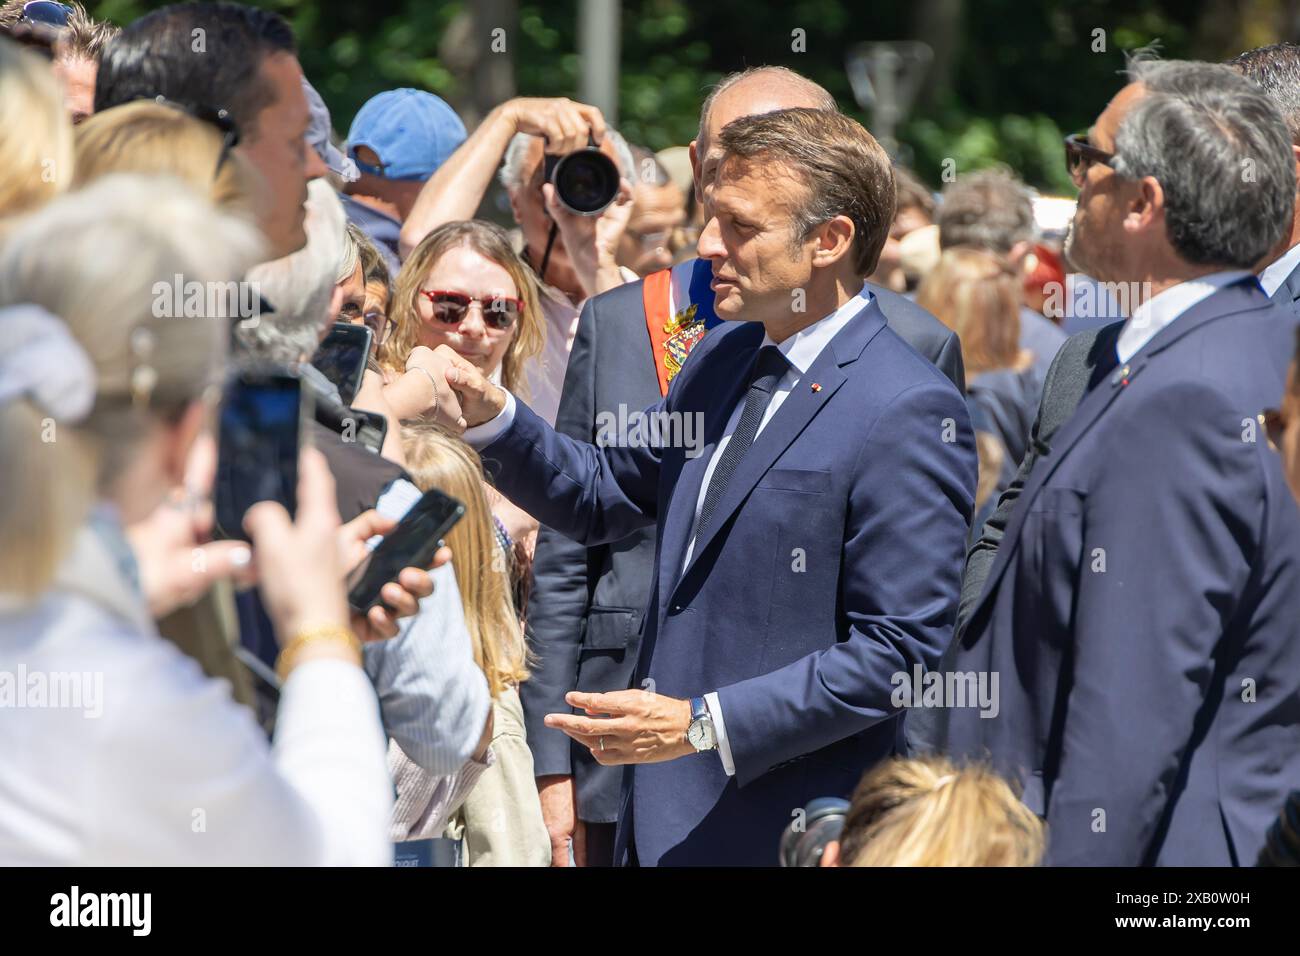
[808, 545]
[585, 608]
[1141, 610]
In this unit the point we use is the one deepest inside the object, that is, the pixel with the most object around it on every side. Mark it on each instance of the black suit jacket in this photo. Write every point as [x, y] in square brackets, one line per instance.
[585, 612]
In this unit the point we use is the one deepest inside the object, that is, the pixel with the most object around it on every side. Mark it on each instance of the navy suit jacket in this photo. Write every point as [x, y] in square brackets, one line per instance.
[831, 565]
[585, 609]
[1142, 609]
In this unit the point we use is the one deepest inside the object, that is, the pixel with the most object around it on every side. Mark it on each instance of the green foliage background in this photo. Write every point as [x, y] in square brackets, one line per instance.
[1017, 73]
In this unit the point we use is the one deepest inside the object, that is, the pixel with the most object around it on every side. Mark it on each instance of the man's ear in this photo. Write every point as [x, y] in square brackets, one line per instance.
[831, 855]
[1147, 207]
[834, 241]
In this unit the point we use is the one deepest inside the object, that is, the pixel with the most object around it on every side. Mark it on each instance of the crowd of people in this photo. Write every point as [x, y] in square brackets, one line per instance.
[985, 526]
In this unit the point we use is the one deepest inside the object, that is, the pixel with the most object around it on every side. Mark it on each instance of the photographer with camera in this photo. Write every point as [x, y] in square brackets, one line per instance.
[568, 177]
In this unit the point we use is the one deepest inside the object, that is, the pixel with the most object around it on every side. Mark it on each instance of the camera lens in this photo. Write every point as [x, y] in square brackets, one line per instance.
[586, 181]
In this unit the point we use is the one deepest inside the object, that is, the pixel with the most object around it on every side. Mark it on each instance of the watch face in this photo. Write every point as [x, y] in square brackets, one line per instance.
[700, 735]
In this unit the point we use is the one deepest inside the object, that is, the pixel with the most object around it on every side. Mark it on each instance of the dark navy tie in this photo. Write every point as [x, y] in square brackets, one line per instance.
[769, 368]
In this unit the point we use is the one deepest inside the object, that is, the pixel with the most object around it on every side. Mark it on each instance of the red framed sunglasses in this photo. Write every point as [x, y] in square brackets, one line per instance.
[449, 307]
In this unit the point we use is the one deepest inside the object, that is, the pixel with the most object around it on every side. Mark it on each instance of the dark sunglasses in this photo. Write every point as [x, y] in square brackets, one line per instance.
[1081, 154]
[378, 323]
[218, 118]
[47, 12]
[499, 311]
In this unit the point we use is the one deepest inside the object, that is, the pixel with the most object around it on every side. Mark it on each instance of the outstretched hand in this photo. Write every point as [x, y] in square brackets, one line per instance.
[465, 397]
[641, 727]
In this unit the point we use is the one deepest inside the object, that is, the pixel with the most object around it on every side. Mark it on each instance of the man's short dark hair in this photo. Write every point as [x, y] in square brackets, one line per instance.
[847, 173]
[990, 209]
[1276, 70]
[199, 54]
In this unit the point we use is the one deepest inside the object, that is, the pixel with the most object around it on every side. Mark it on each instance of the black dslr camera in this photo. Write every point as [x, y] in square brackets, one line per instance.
[585, 181]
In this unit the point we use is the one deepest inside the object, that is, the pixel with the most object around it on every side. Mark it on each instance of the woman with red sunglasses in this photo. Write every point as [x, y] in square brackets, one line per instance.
[465, 287]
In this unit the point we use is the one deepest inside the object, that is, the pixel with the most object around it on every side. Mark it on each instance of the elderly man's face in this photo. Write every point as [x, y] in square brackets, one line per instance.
[1096, 243]
[749, 239]
[530, 213]
[646, 244]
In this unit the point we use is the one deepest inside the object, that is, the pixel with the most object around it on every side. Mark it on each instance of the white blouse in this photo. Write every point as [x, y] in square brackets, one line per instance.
[116, 749]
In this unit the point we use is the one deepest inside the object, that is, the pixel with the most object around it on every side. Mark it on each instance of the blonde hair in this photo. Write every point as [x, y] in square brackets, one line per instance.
[491, 242]
[156, 139]
[436, 459]
[928, 812]
[991, 456]
[977, 295]
[35, 133]
[96, 259]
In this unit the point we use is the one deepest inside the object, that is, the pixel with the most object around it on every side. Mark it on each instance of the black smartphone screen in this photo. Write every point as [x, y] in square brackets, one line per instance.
[257, 452]
[341, 358]
[412, 544]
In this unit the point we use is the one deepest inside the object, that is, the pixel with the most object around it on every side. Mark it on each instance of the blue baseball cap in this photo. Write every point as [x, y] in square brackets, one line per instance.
[411, 131]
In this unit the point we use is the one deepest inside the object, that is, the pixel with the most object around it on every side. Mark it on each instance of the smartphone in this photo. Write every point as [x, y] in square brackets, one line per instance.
[342, 355]
[412, 544]
[369, 429]
[257, 447]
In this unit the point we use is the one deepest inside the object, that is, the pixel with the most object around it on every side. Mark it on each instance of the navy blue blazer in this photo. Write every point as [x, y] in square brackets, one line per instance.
[832, 564]
[585, 609]
[1142, 610]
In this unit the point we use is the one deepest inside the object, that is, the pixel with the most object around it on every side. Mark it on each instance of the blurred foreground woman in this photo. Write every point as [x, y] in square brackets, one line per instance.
[117, 749]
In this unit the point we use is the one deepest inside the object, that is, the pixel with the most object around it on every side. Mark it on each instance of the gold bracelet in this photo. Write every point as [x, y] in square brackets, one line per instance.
[314, 635]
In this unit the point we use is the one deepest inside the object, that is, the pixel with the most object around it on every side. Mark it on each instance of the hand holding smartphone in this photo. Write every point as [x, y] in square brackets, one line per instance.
[412, 543]
[257, 447]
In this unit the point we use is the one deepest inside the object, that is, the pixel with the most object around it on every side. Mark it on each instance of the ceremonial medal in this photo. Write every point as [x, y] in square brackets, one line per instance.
[683, 331]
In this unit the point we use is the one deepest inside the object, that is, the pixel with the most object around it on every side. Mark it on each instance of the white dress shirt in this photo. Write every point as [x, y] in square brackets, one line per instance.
[800, 350]
[1277, 271]
[1162, 309]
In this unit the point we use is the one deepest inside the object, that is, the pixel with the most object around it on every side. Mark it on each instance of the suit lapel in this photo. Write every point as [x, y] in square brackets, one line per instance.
[1241, 296]
[717, 407]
